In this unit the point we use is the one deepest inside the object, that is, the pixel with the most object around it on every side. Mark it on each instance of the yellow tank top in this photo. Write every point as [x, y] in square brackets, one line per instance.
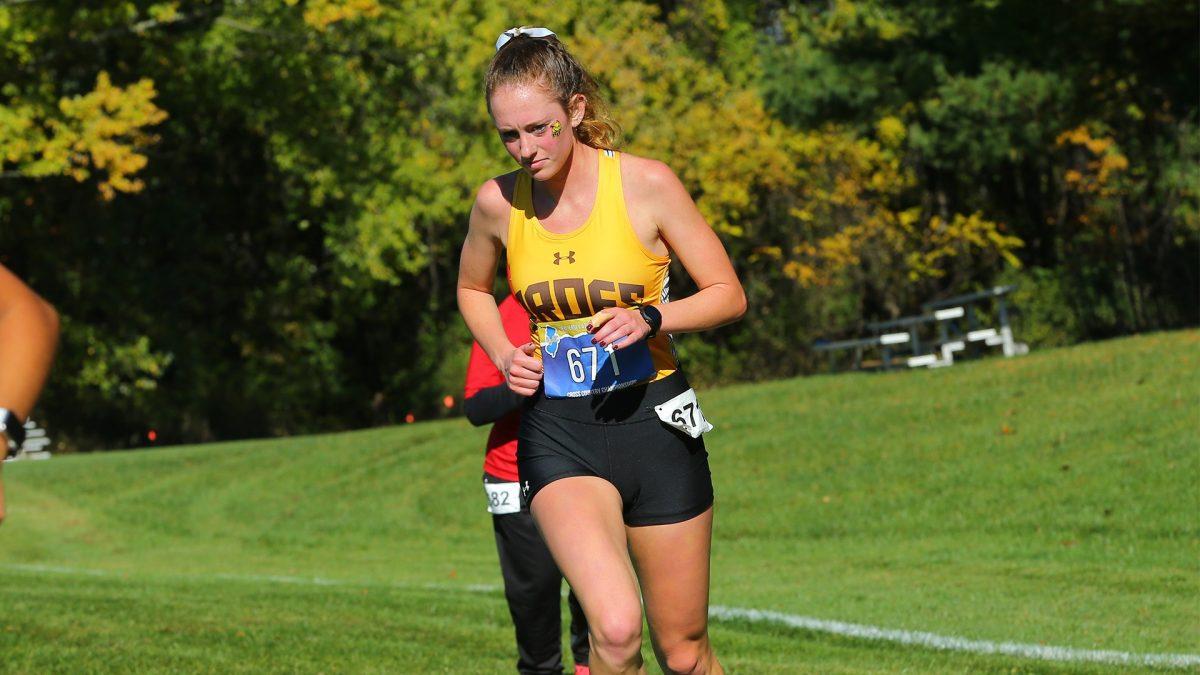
[559, 277]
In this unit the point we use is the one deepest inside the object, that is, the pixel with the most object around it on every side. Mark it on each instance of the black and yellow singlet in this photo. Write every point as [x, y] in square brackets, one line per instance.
[563, 279]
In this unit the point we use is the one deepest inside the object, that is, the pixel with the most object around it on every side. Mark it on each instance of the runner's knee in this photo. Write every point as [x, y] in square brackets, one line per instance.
[617, 636]
[686, 656]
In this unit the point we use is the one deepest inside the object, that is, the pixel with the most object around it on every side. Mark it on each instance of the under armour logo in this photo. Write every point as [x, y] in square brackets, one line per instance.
[559, 256]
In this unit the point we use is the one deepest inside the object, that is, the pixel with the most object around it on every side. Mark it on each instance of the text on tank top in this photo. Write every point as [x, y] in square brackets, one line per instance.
[602, 263]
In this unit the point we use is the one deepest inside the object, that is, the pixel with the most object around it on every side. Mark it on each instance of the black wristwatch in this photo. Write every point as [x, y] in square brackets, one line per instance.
[12, 432]
[652, 317]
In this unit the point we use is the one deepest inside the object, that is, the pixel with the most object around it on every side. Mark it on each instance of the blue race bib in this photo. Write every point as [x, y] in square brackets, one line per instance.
[573, 366]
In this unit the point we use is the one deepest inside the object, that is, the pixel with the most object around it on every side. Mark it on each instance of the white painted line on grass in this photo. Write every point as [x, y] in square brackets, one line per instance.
[722, 613]
[54, 569]
[952, 643]
[260, 578]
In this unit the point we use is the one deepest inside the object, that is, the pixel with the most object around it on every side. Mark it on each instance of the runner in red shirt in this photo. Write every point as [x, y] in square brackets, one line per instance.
[532, 582]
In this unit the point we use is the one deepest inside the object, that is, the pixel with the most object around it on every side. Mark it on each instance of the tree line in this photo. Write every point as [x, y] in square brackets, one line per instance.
[249, 214]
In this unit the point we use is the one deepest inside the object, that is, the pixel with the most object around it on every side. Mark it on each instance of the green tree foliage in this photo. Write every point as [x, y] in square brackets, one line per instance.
[249, 214]
[1071, 125]
[287, 262]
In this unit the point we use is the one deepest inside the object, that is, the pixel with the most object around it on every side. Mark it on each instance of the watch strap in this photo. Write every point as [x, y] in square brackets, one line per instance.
[652, 317]
[13, 430]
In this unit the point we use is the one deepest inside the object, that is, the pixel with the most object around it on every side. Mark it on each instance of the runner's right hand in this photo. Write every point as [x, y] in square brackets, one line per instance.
[523, 370]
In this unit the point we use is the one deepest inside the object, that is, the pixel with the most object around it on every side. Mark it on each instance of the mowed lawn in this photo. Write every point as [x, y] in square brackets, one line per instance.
[1052, 499]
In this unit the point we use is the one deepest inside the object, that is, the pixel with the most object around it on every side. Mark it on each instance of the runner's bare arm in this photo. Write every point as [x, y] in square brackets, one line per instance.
[28, 338]
[476, 274]
[719, 299]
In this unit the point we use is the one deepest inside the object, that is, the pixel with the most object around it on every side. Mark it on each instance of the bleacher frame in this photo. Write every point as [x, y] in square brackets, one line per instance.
[904, 333]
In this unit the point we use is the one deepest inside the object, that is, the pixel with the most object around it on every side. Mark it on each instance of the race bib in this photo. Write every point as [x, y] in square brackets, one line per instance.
[573, 366]
[503, 498]
[683, 412]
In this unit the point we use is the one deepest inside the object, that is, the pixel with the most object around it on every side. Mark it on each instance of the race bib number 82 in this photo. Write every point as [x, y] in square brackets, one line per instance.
[503, 497]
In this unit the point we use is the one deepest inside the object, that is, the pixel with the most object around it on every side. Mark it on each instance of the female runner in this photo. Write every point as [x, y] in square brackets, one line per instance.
[609, 448]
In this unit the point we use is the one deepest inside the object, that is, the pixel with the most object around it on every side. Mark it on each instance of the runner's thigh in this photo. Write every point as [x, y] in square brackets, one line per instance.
[580, 519]
[672, 565]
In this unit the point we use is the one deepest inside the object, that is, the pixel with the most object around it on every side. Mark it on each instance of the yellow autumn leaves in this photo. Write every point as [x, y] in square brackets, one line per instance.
[852, 208]
[1101, 161]
[103, 132]
[321, 14]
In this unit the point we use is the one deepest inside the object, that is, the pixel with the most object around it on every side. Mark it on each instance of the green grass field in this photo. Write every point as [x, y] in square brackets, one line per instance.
[1050, 500]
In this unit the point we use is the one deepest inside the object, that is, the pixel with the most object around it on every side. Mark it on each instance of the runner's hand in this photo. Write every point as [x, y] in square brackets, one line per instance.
[618, 326]
[522, 370]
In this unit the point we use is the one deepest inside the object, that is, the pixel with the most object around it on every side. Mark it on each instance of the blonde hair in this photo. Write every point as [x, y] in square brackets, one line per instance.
[545, 61]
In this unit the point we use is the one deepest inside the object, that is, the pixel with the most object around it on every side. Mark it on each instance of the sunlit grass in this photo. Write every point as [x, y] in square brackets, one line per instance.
[1050, 499]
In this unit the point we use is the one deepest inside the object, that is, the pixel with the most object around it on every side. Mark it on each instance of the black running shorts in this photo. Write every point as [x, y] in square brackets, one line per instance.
[661, 473]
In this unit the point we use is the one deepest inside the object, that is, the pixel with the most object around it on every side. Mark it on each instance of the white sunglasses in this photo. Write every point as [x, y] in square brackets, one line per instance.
[527, 31]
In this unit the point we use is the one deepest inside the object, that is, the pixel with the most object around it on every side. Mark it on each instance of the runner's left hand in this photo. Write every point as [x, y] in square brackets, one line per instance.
[618, 326]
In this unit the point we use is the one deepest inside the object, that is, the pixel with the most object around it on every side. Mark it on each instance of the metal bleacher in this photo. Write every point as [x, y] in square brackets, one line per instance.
[931, 339]
[36, 445]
